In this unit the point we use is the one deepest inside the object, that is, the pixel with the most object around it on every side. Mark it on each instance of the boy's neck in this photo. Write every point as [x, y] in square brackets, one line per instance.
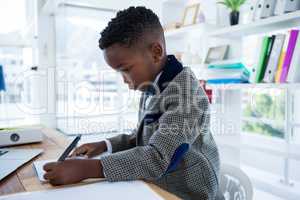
[161, 66]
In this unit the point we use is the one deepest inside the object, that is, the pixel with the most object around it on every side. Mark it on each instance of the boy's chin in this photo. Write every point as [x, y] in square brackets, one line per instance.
[131, 87]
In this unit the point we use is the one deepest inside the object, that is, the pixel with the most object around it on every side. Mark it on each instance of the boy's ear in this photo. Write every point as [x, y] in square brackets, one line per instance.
[157, 52]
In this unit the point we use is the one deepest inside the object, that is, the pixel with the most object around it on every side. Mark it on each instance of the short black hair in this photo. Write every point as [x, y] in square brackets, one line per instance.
[129, 26]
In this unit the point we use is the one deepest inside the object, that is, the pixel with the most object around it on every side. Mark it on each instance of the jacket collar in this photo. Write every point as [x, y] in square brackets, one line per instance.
[171, 69]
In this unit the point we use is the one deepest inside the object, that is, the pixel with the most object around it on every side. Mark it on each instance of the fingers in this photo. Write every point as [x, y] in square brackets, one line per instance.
[49, 166]
[52, 174]
[49, 175]
[53, 179]
[82, 150]
[89, 154]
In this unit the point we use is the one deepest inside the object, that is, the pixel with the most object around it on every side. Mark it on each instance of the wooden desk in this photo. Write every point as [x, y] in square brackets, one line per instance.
[25, 179]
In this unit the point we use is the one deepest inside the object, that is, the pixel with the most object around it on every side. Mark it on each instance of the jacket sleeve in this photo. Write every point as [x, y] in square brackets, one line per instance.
[123, 141]
[183, 120]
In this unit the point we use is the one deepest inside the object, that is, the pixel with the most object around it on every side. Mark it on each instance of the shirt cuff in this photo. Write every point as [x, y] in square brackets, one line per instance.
[103, 169]
[108, 146]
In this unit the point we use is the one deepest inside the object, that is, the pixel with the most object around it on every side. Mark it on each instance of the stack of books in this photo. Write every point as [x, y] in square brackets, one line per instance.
[278, 59]
[227, 72]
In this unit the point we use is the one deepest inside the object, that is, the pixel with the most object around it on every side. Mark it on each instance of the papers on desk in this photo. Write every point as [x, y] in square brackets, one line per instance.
[134, 190]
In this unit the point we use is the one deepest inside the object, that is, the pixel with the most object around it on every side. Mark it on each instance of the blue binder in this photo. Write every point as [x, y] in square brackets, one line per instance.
[2, 82]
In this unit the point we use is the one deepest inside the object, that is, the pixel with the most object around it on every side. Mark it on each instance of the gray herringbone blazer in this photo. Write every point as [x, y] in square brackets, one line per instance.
[172, 146]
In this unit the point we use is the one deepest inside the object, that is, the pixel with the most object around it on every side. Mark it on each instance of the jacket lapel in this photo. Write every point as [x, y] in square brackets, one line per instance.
[172, 68]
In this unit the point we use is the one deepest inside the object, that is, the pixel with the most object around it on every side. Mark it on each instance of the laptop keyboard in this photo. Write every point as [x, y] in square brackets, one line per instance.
[3, 152]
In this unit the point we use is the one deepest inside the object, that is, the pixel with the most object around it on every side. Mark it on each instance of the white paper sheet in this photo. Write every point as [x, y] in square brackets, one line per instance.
[133, 190]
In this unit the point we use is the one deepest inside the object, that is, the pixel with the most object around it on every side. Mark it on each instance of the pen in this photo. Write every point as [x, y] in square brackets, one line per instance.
[69, 148]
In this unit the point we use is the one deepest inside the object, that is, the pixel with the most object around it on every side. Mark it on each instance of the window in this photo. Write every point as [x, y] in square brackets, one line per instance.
[270, 137]
[15, 11]
[16, 57]
[91, 97]
[16, 62]
[295, 123]
[263, 112]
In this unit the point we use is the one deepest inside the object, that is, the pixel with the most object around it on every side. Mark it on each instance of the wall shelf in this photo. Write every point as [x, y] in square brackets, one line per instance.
[253, 86]
[228, 99]
[275, 23]
[173, 1]
[194, 30]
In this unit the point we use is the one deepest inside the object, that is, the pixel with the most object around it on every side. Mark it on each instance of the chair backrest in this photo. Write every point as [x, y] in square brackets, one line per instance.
[234, 184]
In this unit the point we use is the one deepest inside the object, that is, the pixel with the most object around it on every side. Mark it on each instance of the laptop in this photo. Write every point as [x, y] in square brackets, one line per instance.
[12, 159]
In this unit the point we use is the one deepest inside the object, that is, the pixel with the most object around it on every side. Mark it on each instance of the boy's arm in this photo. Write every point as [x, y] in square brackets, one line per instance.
[175, 128]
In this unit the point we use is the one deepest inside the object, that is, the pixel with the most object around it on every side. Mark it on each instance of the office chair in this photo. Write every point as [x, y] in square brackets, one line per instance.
[234, 184]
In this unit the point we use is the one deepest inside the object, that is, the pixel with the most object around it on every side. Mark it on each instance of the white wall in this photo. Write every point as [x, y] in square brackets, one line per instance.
[155, 5]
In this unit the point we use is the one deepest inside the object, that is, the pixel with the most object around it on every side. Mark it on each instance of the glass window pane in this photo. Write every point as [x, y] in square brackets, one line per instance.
[91, 97]
[15, 11]
[263, 112]
[16, 62]
[296, 118]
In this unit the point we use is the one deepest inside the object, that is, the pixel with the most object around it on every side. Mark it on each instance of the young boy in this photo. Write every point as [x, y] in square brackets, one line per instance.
[172, 146]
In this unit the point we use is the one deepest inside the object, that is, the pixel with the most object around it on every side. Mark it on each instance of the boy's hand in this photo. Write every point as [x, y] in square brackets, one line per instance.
[72, 171]
[90, 149]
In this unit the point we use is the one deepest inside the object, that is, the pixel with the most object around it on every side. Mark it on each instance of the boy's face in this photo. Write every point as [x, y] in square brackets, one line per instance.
[137, 66]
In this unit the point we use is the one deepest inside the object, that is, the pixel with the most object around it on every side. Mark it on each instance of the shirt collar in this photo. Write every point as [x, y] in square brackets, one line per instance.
[157, 78]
